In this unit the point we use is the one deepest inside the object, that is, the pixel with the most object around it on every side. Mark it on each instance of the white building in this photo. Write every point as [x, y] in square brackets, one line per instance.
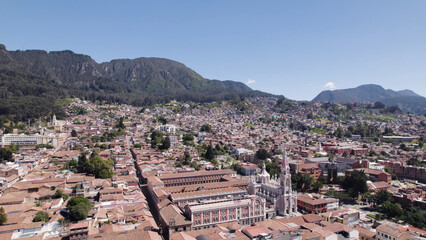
[3, 184]
[239, 151]
[320, 150]
[52, 229]
[376, 166]
[28, 140]
[332, 203]
[166, 128]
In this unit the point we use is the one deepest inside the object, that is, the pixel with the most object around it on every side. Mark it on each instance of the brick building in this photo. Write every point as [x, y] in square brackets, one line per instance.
[190, 178]
[348, 151]
[374, 175]
[311, 169]
[245, 212]
[311, 205]
[182, 199]
[411, 196]
[405, 171]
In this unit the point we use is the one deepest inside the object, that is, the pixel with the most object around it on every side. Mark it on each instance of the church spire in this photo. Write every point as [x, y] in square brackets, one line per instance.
[285, 167]
[287, 200]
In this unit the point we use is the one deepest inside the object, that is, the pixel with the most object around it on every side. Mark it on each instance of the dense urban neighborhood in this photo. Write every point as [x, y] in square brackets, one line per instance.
[247, 168]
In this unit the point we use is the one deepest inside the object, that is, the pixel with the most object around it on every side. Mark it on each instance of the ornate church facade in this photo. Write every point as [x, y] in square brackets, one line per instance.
[287, 200]
[278, 194]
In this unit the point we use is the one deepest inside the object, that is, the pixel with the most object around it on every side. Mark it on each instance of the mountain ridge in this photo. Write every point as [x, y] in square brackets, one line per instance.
[151, 71]
[406, 100]
[141, 81]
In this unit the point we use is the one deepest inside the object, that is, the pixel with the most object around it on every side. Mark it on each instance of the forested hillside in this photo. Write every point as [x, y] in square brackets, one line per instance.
[31, 82]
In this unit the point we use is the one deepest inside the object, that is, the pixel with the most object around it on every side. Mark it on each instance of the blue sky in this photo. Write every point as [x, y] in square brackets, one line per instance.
[293, 48]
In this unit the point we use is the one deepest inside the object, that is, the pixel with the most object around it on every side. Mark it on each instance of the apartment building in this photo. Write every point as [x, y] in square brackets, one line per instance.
[28, 140]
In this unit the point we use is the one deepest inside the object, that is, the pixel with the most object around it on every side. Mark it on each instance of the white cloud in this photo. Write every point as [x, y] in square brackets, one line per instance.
[250, 81]
[330, 85]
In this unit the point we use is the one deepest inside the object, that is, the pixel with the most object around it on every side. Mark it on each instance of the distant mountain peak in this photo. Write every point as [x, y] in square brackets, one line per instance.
[406, 99]
[41, 75]
[407, 92]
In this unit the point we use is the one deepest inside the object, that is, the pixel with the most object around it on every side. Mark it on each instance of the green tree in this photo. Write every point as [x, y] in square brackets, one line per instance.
[379, 105]
[372, 153]
[188, 139]
[348, 134]
[100, 168]
[317, 186]
[218, 150]
[369, 197]
[305, 182]
[261, 154]
[95, 138]
[105, 173]
[322, 179]
[156, 138]
[394, 177]
[166, 143]
[73, 133]
[83, 163]
[79, 212]
[137, 145]
[302, 182]
[186, 158]
[73, 163]
[215, 162]
[404, 147]
[339, 132]
[14, 148]
[355, 183]
[383, 196]
[392, 209]
[120, 124]
[272, 169]
[41, 216]
[95, 165]
[3, 216]
[194, 165]
[206, 128]
[162, 120]
[388, 132]
[209, 155]
[6, 154]
[60, 194]
[178, 164]
[237, 167]
[415, 217]
[78, 208]
[342, 196]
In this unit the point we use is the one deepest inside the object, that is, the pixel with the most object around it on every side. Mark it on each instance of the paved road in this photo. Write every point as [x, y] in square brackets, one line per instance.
[151, 205]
